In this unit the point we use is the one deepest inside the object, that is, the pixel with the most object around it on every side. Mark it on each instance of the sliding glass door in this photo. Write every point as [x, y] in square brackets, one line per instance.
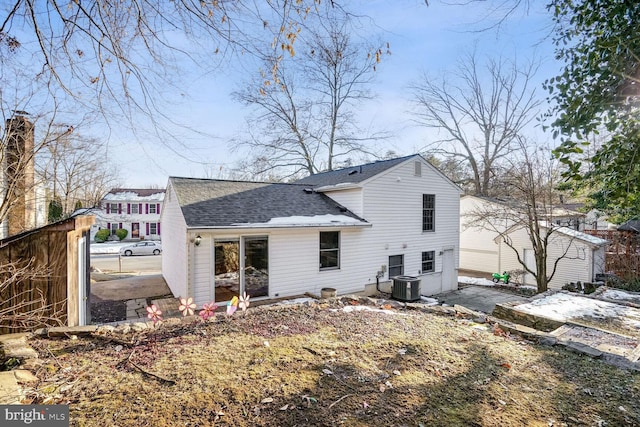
[256, 266]
[241, 266]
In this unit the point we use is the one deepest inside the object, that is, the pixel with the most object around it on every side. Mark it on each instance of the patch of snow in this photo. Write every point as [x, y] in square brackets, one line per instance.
[475, 281]
[309, 221]
[486, 282]
[617, 294]
[596, 241]
[429, 301]
[107, 247]
[133, 196]
[564, 307]
[296, 301]
[353, 308]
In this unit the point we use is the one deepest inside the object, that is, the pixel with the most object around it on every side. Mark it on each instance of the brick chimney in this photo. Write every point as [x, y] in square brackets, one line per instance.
[19, 175]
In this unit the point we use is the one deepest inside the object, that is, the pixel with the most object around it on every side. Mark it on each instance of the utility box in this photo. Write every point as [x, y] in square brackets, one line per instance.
[406, 288]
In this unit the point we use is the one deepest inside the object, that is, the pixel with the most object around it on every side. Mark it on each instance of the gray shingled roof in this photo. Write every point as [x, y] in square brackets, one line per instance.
[631, 225]
[219, 203]
[354, 174]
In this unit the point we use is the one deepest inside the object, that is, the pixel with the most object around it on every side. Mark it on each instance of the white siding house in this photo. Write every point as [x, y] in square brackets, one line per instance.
[345, 229]
[485, 251]
[135, 210]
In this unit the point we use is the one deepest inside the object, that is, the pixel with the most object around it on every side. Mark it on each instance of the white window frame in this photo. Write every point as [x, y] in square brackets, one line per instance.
[428, 211]
[432, 261]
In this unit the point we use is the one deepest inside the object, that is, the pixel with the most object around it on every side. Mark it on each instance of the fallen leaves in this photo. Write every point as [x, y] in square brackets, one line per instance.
[313, 366]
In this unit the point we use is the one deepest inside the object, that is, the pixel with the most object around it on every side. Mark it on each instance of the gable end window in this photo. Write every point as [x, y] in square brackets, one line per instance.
[417, 168]
[396, 265]
[329, 250]
[428, 261]
[428, 212]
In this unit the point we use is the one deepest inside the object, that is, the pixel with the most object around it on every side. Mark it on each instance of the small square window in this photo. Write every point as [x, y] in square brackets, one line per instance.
[329, 250]
[428, 261]
[396, 265]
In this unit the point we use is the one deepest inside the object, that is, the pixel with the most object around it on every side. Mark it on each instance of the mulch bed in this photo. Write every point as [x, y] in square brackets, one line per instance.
[108, 311]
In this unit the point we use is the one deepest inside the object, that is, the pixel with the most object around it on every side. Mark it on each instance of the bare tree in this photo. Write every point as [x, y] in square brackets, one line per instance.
[531, 206]
[77, 171]
[119, 58]
[479, 120]
[304, 104]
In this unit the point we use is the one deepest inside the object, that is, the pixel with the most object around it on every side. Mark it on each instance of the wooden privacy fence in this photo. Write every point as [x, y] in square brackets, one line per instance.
[33, 282]
[39, 276]
[622, 252]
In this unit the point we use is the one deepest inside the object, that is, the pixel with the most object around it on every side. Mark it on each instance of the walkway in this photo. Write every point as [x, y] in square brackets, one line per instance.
[479, 298]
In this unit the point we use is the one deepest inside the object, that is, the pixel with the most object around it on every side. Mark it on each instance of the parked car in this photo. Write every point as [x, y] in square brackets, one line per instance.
[142, 248]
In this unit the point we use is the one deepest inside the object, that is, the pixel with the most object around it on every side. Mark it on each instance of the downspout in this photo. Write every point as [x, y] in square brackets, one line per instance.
[379, 274]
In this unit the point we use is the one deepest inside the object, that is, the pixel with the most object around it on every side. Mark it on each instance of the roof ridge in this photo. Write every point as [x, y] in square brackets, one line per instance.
[237, 181]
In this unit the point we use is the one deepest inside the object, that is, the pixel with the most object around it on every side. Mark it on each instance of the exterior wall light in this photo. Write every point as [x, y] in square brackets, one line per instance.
[197, 240]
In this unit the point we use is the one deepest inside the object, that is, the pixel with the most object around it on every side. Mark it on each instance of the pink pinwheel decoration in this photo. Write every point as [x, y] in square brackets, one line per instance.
[187, 306]
[154, 313]
[208, 310]
[232, 306]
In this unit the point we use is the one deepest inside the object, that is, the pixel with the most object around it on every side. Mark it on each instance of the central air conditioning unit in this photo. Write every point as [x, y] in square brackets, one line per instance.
[406, 288]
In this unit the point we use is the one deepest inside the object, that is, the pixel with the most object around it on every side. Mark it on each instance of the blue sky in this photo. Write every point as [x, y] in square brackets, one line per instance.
[422, 39]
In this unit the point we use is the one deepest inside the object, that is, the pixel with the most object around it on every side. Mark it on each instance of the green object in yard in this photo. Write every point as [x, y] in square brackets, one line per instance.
[504, 277]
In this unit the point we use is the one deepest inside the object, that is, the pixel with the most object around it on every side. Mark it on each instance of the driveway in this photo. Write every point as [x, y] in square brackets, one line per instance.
[478, 298]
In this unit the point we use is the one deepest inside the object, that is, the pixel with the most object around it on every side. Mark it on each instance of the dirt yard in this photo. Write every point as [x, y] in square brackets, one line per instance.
[338, 363]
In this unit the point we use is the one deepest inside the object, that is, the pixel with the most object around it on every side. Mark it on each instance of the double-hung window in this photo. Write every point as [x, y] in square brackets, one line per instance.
[113, 208]
[428, 261]
[329, 250]
[134, 208]
[152, 208]
[428, 212]
[153, 228]
[396, 265]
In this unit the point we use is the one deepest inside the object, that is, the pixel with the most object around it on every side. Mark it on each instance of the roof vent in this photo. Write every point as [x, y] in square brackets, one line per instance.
[308, 190]
[353, 172]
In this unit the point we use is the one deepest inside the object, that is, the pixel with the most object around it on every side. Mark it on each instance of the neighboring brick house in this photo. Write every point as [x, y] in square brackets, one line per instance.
[135, 210]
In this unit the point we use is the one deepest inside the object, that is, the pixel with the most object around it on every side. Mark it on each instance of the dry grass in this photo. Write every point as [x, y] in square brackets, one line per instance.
[310, 366]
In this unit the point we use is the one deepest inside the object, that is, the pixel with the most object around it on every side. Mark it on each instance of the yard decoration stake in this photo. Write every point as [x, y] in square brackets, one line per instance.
[232, 306]
[208, 310]
[154, 313]
[244, 302]
[187, 306]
